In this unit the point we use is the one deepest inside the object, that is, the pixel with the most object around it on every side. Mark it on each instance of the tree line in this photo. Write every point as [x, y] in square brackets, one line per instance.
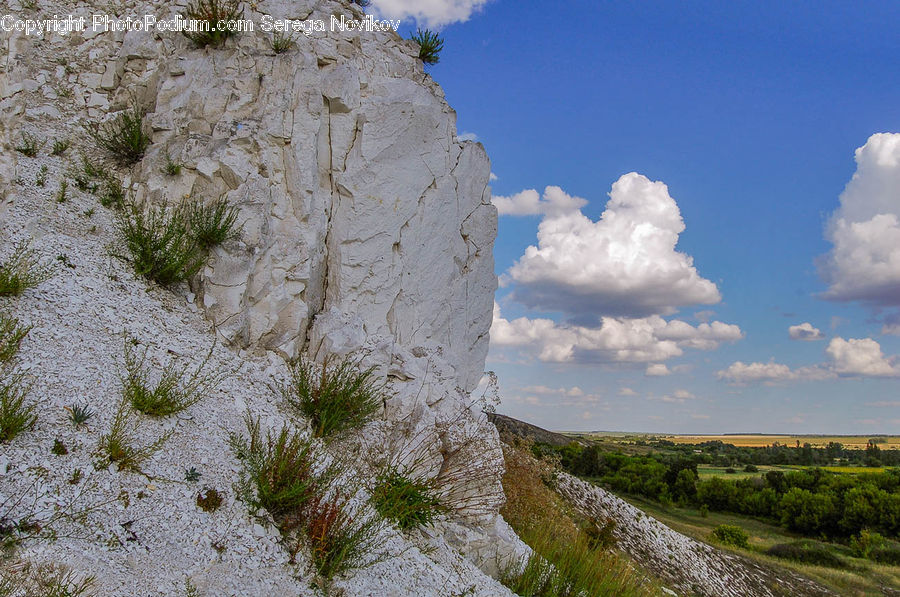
[814, 502]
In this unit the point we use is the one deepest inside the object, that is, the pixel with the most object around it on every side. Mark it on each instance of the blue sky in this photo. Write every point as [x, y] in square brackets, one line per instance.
[749, 114]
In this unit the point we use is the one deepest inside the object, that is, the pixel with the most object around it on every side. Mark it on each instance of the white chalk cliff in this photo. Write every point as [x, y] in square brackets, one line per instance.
[366, 229]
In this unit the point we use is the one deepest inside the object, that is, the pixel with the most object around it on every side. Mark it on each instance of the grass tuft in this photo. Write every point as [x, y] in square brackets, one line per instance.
[282, 42]
[60, 146]
[124, 136]
[407, 503]
[61, 196]
[22, 271]
[174, 392]
[120, 443]
[336, 398]
[210, 13]
[59, 448]
[11, 335]
[172, 168]
[16, 415]
[211, 224]
[30, 145]
[430, 45]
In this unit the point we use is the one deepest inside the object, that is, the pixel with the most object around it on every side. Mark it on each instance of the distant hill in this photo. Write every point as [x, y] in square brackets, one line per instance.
[525, 430]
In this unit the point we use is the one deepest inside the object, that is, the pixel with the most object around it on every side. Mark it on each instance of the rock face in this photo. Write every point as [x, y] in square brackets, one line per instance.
[366, 224]
[355, 193]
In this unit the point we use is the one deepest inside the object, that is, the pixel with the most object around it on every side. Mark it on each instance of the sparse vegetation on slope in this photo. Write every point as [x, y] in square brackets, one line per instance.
[335, 397]
[565, 562]
[175, 390]
[121, 443]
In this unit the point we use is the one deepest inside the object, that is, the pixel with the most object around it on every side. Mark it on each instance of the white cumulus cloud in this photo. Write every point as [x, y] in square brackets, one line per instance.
[739, 372]
[431, 13]
[864, 263]
[529, 203]
[854, 357]
[860, 356]
[616, 340]
[624, 264]
[657, 370]
[805, 331]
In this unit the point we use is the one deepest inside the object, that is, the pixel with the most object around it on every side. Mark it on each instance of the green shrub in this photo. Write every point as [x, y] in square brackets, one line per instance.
[124, 136]
[59, 448]
[211, 224]
[211, 12]
[336, 398]
[751, 468]
[22, 271]
[158, 243]
[174, 392]
[729, 534]
[889, 555]
[16, 415]
[863, 544]
[807, 552]
[601, 533]
[430, 45]
[407, 503]
[280, 475]
[11, 335]
[120, 443]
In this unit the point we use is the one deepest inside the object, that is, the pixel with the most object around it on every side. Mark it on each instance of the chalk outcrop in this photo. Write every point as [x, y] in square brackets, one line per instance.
[366, 229]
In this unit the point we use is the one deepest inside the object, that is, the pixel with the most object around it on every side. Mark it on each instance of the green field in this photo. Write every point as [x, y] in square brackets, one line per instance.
[862, 579]
[705, 471]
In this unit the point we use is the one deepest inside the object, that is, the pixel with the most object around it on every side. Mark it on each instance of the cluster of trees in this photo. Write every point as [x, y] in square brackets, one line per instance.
[810, 501]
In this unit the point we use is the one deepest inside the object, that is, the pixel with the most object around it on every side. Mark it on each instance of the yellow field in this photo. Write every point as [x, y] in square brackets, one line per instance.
[758, 441]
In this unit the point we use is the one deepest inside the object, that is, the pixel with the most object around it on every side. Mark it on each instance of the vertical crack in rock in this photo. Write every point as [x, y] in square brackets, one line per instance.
[320, 256]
